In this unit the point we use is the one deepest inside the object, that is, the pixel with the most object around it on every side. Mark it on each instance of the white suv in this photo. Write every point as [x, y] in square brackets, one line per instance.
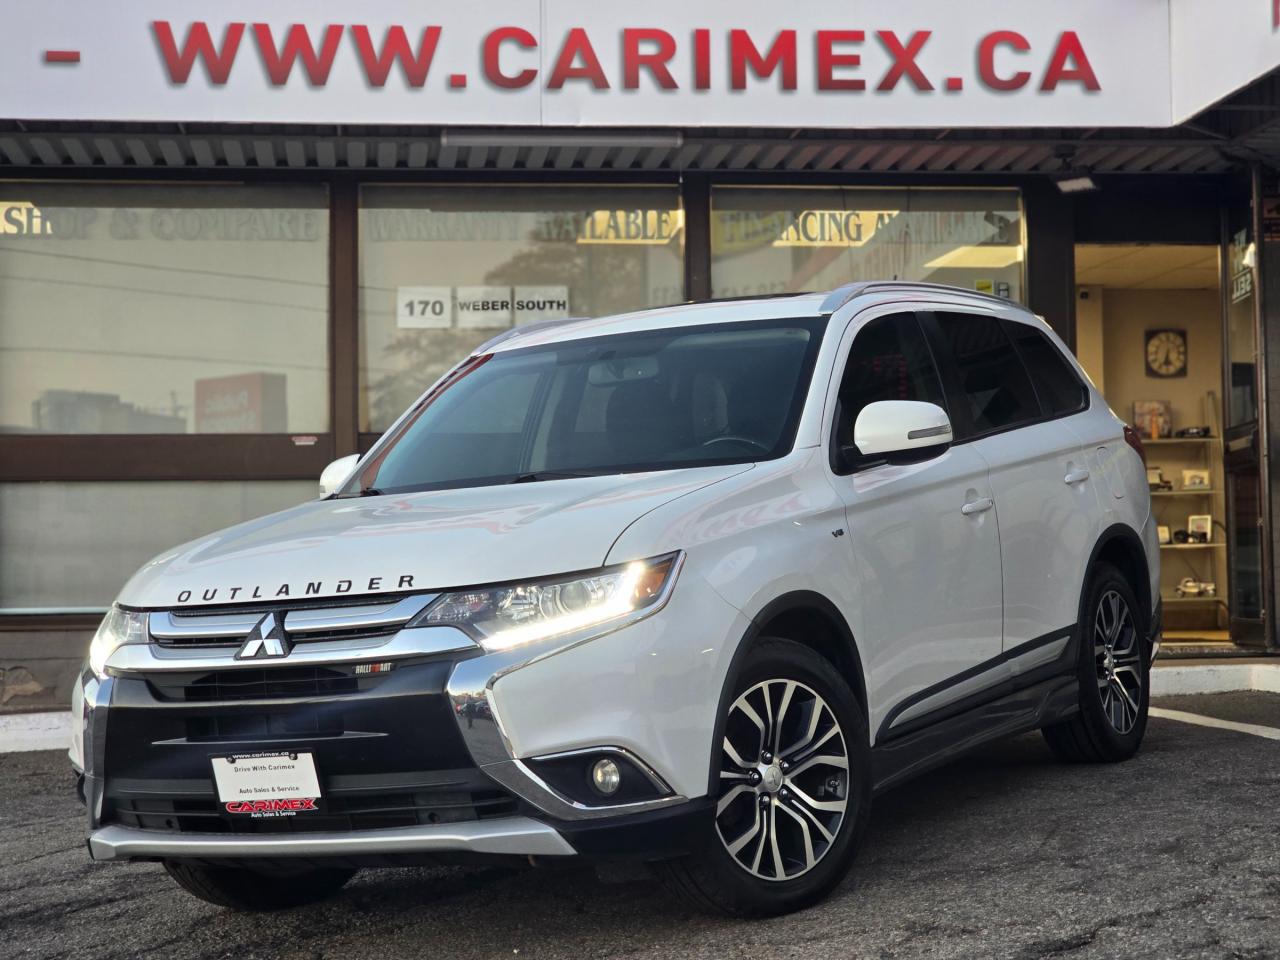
[690, 585]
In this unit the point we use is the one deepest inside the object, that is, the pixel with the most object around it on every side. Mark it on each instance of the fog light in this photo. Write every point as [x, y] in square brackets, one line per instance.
[606, 777]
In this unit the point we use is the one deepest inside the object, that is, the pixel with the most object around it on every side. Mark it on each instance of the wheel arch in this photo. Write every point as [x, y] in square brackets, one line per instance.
[1120, 546]
[808, 618]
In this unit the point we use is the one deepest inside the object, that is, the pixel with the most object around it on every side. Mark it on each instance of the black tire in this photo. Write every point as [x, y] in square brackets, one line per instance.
[711, 877]
[1093, 735]
[242, 889]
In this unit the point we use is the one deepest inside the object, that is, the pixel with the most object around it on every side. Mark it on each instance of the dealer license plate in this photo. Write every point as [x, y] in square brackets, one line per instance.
[267, 784]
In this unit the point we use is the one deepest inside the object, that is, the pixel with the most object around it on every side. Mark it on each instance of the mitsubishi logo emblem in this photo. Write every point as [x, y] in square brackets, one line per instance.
[265, 640]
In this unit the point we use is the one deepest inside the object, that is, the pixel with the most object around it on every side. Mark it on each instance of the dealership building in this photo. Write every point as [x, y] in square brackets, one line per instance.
[234, 249]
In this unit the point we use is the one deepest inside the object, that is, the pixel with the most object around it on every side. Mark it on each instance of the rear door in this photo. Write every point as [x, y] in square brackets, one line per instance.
[924, 542]
[1016, 396]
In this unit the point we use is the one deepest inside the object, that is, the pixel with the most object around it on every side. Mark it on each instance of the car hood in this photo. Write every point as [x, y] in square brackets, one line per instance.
[416, 541]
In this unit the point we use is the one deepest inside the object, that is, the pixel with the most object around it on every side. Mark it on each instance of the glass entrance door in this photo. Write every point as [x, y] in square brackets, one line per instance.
[1241, 441]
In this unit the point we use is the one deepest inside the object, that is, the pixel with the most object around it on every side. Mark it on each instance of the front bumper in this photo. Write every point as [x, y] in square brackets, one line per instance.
[437, 756]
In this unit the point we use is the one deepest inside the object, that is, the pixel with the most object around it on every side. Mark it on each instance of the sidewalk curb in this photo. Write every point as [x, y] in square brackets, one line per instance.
[1171, 680]
[24, 732]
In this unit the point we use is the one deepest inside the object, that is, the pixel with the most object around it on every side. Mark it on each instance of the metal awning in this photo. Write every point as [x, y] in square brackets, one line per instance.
[239, 147]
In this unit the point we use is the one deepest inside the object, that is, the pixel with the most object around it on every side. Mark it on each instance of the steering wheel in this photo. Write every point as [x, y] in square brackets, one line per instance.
[734, 438]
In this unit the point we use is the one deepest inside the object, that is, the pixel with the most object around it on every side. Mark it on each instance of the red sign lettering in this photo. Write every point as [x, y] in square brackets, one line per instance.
[655, 61]
[492, 67]
[743, 54]
[1069, 50]
[904, 59]
[199, 45]
[987, 60]
[377, 65]
[297, 43]
[577, 45]
[828, 59]
[644, 49]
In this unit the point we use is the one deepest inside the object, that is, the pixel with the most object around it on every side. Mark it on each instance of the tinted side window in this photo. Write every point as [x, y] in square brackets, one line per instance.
[889, 360]
[1056, 381]
[994, 385]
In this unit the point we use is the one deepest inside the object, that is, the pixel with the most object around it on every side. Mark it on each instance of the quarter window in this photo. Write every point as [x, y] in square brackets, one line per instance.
[994, 385]
[889, 360]
[1056, 383]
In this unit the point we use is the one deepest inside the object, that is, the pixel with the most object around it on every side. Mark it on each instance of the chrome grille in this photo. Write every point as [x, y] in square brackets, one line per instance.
[357, 619]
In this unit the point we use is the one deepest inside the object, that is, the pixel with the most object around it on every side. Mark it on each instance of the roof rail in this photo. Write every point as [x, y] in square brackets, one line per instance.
[838, 297]
[841, 295]
[514, 332]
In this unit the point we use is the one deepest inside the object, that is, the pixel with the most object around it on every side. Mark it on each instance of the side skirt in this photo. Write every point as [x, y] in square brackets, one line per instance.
[1010, 705]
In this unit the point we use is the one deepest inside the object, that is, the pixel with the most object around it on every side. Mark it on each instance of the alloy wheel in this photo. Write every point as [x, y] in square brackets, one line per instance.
[1118, 660]
[784, 780]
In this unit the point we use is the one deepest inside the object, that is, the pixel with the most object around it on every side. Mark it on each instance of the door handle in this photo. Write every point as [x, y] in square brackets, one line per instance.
[981, 505]
[1076, 476]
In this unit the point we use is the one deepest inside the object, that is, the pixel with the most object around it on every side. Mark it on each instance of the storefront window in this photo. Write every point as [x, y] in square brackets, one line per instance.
[132, 308]
[778, 240]
[72, 546]
[443, 269]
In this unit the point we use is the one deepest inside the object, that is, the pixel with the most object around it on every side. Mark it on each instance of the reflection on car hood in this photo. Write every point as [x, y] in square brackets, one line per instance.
[414, 541]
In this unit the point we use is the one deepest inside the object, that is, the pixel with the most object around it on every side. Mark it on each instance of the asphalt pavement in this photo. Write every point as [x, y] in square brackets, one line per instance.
[1006, 854]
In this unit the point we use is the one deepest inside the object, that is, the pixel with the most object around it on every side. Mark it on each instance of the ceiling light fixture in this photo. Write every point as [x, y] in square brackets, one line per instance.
[1071, 178]
[1075, 182]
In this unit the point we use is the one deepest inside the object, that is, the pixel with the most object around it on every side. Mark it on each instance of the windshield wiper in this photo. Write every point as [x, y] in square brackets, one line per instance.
[549, 475]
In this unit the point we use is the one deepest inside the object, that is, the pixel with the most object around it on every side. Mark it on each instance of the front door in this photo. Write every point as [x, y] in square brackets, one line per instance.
[924, 540]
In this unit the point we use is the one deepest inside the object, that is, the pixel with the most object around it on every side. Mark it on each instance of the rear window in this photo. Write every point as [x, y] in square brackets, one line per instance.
[996, 392]
[1056, 381]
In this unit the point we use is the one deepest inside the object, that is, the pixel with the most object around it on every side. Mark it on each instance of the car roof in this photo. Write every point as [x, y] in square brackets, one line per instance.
[727, 310]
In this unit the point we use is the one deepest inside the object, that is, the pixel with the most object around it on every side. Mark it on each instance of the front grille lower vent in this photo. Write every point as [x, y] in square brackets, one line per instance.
[252, 683]
[372, 811]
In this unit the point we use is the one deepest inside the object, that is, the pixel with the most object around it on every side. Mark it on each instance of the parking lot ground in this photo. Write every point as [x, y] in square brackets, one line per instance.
[1005, 854]
[1248, 706]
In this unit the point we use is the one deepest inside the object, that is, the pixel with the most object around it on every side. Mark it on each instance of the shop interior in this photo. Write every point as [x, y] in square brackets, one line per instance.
[1149, 331]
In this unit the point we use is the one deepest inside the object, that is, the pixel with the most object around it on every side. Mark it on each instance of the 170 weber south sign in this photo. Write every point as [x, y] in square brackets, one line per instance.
[684, 63]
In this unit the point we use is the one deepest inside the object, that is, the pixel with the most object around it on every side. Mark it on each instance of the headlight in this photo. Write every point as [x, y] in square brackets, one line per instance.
[118, 628]
[516, 614]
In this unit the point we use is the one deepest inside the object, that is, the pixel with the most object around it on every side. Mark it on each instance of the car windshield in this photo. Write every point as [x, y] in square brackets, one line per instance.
[629, 402]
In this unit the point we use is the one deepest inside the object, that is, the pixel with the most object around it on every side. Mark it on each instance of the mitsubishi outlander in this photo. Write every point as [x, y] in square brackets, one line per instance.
[690, 585]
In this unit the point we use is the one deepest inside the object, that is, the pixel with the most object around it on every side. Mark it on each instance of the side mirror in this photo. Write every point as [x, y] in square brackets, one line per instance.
[901, 431]
[335, 473]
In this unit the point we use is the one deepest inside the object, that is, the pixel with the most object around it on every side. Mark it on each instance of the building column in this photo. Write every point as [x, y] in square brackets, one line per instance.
[1051, 261]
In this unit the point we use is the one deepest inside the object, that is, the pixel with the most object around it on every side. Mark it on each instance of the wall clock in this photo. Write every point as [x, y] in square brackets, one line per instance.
[1166, 353]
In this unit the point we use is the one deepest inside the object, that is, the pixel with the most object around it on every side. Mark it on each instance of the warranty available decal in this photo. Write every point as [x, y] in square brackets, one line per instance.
[283, 591]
